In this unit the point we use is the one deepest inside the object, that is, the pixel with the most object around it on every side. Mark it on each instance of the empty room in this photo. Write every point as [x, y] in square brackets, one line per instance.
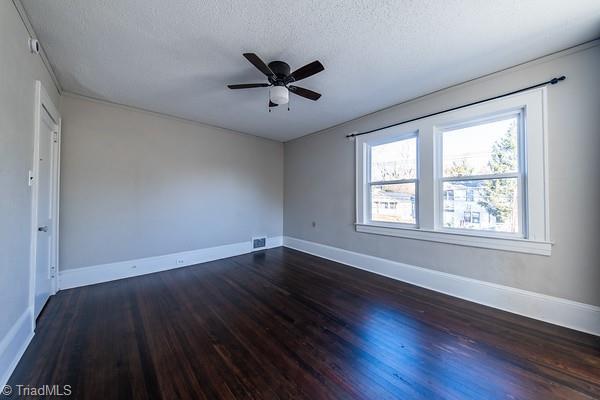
[343, 199]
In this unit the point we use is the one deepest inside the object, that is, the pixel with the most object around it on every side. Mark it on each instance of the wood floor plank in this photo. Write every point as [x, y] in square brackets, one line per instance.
[281, 324]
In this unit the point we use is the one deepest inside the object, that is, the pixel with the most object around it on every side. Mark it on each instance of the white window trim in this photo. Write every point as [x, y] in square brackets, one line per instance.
[534, 237]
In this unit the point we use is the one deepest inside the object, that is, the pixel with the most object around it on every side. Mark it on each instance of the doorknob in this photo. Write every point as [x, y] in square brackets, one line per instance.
[43, 228]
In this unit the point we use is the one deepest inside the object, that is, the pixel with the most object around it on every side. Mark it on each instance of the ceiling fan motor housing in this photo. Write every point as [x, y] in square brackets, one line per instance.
[279, 93]
[280, 69]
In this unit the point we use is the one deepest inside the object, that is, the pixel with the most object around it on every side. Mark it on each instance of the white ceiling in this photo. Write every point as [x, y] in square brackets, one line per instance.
[175, 57]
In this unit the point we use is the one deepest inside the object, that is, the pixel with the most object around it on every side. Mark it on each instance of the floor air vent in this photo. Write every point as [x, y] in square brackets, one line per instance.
[259, 242]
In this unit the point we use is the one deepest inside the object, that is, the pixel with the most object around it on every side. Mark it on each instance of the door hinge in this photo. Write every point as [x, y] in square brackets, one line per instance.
[52, 271]
[55, 136]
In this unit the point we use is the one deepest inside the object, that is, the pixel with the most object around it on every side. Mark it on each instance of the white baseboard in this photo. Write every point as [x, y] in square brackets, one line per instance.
[72, 278]
[14, 344]
[571, 314]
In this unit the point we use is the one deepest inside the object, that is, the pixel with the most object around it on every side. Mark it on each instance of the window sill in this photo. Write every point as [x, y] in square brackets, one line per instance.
[485, 242]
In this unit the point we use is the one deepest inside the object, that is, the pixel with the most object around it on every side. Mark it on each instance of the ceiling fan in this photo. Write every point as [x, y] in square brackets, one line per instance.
[279, 77]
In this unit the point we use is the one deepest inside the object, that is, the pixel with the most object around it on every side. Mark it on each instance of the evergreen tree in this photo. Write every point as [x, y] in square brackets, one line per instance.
[498, 194]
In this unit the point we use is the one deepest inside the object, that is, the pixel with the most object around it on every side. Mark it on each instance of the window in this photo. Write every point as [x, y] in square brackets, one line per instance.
[393, 181]
[470, 195]
[481, 160]
[474, 176]
[471, 217]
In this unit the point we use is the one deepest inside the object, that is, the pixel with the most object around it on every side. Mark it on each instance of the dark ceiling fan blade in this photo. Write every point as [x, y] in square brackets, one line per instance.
[309, 94]
[258, 63]
[271, 104]
[248, 85]
[304, 72]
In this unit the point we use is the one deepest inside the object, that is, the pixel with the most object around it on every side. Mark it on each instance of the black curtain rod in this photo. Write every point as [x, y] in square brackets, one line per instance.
[552, 81]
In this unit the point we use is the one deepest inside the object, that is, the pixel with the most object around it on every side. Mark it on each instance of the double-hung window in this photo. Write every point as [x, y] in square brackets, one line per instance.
[481, 166]
[476, 176]
[392, 180]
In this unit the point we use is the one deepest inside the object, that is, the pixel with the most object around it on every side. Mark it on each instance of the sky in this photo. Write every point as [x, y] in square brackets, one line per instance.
[472, 144]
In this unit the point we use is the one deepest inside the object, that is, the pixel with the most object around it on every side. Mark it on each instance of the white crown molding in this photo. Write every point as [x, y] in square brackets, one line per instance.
[91, 275]
[14, 343]
[571, 314]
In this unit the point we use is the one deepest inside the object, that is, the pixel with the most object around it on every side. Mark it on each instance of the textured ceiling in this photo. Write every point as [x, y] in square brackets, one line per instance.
[176, 57]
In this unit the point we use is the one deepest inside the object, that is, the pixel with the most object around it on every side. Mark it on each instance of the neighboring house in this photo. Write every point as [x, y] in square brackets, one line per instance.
[462, 209]
[394, 207]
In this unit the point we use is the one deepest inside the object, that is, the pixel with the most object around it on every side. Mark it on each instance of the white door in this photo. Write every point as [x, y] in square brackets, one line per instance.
[44, 270]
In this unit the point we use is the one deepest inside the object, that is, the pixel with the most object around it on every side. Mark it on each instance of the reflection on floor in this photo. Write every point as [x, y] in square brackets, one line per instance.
[281, 324]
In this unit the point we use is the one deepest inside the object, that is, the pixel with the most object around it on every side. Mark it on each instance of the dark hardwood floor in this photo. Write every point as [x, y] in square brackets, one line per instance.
[284, 324]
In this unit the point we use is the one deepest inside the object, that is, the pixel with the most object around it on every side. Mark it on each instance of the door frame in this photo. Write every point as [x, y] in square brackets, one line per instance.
[43, 103]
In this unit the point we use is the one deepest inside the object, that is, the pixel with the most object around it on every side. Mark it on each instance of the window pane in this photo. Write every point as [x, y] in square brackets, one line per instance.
[394, 203]
[393, 161]
[482, 204]
[488, 148]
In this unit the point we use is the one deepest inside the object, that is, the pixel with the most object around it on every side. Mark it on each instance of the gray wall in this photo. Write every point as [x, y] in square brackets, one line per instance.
[136, 184]
[19, 71]
[319, 185]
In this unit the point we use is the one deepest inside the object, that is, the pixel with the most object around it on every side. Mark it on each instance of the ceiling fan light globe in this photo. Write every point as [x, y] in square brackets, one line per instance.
[279, 95]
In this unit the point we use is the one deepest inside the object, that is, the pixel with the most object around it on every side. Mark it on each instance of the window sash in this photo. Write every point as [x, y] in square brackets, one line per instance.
[486, 177]
[394, 182]
[369, 204]
[392, 139]
[519, 175]
[368, 184]
[521, 227]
